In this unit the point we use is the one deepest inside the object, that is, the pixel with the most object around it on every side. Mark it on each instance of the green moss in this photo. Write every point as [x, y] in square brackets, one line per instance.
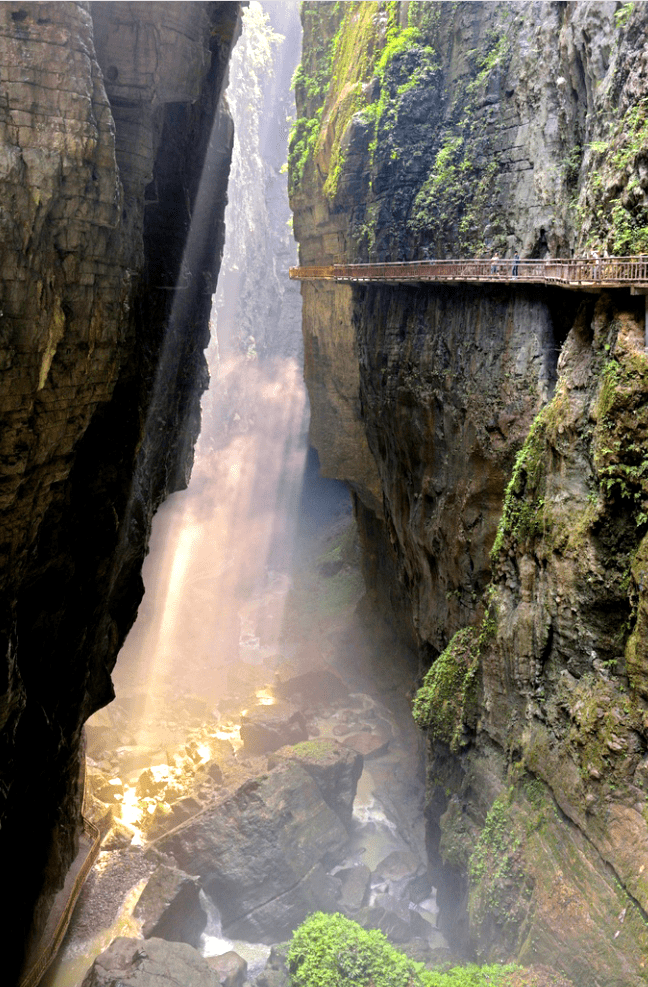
[523, 516]
[333, 951]
[316, 749]
[441, 212]
[353, 65]
[311, 83]
[602, 718]
[439, 183]
[621, 428]
[399, 41]
[301, 146]
[447, 695]
[495, 845]
[363, 47]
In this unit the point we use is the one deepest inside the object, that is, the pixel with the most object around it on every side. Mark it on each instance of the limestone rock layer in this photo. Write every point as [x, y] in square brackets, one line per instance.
[109, 115]
[494, 438]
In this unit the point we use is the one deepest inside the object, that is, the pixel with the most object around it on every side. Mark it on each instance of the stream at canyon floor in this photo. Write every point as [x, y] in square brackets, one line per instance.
[307, 671]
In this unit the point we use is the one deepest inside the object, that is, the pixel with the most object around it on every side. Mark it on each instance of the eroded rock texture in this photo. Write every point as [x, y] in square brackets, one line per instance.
[498, 127]
[108, 113]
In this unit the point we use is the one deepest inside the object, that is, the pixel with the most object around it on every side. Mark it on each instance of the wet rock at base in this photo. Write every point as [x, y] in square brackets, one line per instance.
[368, 743]
[263, 732]
[150, 963]
[355, 885]
[421, 951]
[396, 921]
[152, 781]
[275, 972]
[334, 768]
[119, 837]
[106, 789]
[320, 686]
[405, 874]
[316, 891]
[262, 853]
[169, 907]
[230, 968]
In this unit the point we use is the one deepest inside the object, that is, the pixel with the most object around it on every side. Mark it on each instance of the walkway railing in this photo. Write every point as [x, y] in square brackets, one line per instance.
[583, 272]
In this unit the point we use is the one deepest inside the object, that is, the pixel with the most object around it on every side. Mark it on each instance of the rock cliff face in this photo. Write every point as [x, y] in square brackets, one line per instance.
[495, 439]
[108, 113]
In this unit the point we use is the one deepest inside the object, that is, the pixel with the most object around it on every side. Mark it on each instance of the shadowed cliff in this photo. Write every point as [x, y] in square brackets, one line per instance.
[495, 438]
[110, 113]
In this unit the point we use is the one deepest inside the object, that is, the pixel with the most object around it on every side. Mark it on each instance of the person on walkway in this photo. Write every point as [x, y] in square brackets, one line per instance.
[596, 265]
[516, 264]
[494, 260]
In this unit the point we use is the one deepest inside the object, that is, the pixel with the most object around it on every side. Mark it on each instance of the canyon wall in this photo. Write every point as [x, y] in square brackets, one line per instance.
[494, 439]
[110, 114]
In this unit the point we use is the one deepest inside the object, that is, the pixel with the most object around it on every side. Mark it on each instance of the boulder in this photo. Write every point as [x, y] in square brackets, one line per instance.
[169, 907]
[334, 768]
[153, 780]
[119, 837]
[394, 919]
[136, 757]
[406, 875]
[391, 918]
[262, 853]
[150, 963]
[263, 732]
[215, 772]
[167, 817]
[354, 887]
[317, 891]
[230, 968]
[275, 972]
[320, 686]
[368, 743]
[106, 789]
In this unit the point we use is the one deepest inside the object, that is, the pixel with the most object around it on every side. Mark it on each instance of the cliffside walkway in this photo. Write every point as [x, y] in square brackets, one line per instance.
[578, 274]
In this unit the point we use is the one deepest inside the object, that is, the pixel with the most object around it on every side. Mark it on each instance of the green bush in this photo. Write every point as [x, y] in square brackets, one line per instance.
[333, 951]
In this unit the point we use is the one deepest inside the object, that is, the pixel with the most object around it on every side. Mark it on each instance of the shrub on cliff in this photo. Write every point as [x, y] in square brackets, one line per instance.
[333, 951]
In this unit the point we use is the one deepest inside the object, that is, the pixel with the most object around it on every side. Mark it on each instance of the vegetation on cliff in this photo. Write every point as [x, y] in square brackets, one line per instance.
[335, 85]
[501, 127]
[334, 951]
[431, 103]
[447, 701]
[612, 206]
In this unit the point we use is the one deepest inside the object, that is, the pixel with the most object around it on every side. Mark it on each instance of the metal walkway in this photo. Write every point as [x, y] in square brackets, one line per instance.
[578, 274]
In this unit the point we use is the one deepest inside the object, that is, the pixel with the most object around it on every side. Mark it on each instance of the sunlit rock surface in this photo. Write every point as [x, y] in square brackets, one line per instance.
[334, 768]
[260, 854]
[106, 116]
[155, 963]
[499, 127]
[169, 907]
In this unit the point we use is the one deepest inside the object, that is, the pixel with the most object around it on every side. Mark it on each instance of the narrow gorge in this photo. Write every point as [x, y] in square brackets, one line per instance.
[373, 712]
